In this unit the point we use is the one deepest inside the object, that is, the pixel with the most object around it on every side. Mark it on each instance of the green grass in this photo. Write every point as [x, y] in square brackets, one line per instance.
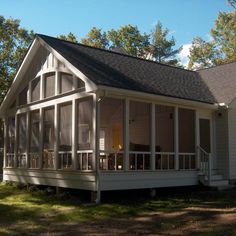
[24, 212]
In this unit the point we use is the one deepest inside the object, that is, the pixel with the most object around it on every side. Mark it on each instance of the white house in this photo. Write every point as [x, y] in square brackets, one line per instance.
[86, 118]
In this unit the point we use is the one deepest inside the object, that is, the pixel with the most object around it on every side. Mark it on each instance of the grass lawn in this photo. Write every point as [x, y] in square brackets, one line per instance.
[192, 212]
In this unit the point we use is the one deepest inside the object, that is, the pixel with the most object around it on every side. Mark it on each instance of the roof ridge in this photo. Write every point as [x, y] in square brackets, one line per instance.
[118, 53]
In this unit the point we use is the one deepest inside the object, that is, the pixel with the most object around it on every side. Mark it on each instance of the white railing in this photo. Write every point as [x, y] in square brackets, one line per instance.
[111, 160]
[165, 160]
[34, 160]
[21, 160]
[187, 161]
[10, 159]
[204, 159]
[139, 160]
[48, 159]
[84, 159]
[65, 160]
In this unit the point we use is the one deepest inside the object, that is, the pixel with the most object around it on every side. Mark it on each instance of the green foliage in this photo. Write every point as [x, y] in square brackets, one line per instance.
[232, 3]
[96, 38]
[130, 39]
[14, 42]
[221, 49]
[161, 48]
[69, 37]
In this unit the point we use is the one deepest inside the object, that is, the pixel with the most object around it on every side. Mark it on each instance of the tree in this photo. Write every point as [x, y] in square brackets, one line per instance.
[203, 54]
[161, 48]
[14, 42]
[70, 37]
[232, 3]
[96, 38]
[221, 49]
[130, 39]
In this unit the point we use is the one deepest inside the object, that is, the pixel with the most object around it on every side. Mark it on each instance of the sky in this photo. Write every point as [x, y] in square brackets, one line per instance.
[185, 19]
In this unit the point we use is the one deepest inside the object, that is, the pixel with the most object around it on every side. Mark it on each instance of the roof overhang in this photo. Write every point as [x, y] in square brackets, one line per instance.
[153, 97]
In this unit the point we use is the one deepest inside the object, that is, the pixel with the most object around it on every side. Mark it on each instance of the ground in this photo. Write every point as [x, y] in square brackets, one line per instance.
[173, 212]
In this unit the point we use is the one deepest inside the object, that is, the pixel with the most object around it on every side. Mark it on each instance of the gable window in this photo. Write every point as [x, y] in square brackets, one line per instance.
[79, 83]
[23, 96]
[35, 86]
[66, 82]
[49, 85]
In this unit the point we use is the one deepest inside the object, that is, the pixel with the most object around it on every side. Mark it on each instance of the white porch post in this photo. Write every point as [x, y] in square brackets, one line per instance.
[197, 138]
[56, 129]
[153, 136]
[41, 120]
[5, 141]
[16, 141]
[126, 135]
[27, 138]
[176, 141]
[74, 134]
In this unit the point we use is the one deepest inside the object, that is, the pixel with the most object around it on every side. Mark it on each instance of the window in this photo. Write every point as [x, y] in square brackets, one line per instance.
[80, 83]
[49, 85]
[35, 89]
[23, 96]
[66, 82]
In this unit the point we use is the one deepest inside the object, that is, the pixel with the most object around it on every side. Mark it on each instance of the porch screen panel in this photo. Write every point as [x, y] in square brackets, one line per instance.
[65, 136]
[35, 86]
[48, 138]
[111, 134]
[22, 133]
[21, 148]
[85, 124]
[66, 82]
[85, 134]
[34, 139]
[186, 138]
[139, 135]
[164, 137]
[49, 84]
[11, 135]
[10, 142]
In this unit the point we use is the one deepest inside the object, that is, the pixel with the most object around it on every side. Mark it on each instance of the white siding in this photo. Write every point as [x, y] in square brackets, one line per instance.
[147, 179]
[232, 140]
[70, 179]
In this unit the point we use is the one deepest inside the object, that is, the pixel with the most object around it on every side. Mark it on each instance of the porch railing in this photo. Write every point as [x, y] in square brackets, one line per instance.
[164, 160]
[21, 160]
[34, 160]
[187, 161]
[10, 159]
[204, 159]
[111, 160]
[139, 160]
[48, 159]
[84, 159]
[65, 160]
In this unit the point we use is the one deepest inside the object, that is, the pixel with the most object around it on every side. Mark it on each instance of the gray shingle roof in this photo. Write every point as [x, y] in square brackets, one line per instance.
[113, 69]
[221, 81]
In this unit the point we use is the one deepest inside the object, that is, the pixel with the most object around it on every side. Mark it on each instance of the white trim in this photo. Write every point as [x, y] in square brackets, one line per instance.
[56, 134]
[41, 120]
[74, 134]
[6, 140]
